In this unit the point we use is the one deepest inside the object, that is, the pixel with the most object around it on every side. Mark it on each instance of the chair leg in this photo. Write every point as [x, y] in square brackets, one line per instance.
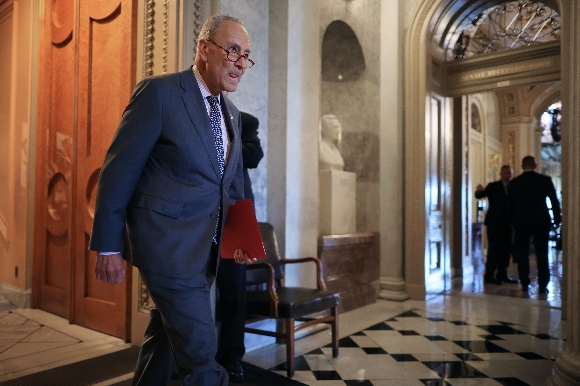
[334, 313]
[280, 329]
[289, 327]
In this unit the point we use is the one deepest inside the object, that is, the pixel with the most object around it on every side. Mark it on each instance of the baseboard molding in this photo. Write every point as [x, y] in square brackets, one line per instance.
[21, 298]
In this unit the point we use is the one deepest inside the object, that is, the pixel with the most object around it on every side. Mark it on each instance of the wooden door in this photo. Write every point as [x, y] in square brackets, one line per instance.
[436, 251]
[55, 160]
[80, 110]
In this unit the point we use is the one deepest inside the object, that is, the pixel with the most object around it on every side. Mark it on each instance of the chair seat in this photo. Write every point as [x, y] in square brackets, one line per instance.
[293, 302]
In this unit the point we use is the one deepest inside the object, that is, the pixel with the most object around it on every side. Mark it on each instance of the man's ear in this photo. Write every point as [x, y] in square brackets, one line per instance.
[202, 49]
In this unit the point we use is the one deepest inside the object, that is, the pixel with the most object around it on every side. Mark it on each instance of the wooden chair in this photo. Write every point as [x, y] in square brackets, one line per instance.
[267, 297]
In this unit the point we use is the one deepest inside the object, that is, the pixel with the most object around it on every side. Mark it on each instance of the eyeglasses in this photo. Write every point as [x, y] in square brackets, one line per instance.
[233, 56]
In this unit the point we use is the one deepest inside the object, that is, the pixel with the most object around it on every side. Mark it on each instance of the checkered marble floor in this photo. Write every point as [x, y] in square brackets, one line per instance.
[416, 348]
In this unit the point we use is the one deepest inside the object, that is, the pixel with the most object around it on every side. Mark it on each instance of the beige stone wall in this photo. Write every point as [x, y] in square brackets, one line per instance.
[17, 36]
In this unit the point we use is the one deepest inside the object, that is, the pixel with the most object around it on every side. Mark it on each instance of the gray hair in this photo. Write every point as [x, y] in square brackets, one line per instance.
[213, 23]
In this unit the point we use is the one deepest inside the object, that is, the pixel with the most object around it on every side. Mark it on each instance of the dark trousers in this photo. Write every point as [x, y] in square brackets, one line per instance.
[540, 235]
[499, 249]
[181, 331]
[231, 311]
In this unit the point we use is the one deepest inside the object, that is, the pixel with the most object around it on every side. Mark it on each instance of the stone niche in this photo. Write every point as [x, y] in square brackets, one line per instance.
[351, 266]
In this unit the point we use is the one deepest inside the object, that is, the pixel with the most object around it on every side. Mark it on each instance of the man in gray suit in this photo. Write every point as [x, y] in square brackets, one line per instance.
[170, 174]
[530, 216]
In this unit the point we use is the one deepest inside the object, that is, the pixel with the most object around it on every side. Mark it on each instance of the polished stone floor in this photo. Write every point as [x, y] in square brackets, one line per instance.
[475, 334]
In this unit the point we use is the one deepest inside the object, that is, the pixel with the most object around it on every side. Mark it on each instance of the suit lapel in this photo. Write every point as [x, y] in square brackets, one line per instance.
[197, 111]
[234, 148]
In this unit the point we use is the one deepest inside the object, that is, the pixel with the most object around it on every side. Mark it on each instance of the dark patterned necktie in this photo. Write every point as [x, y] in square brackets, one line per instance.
[215, 118]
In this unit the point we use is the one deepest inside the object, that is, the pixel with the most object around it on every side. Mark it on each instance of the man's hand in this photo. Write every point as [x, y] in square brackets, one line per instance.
[479, 187]
[110, 268]
[241, 257]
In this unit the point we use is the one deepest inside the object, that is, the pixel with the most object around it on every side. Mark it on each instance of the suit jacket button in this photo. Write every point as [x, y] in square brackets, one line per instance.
[213, 215]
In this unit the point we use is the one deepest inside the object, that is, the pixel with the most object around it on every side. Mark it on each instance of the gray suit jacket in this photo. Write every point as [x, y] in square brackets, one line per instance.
[159, 191]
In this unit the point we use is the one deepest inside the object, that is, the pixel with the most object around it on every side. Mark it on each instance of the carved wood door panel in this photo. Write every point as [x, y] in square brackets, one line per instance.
[86, 81]
[54, 161]
[105, 82]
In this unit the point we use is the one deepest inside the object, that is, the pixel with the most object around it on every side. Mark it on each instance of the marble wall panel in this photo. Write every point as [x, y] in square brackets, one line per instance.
[356, 104]
[252, 93]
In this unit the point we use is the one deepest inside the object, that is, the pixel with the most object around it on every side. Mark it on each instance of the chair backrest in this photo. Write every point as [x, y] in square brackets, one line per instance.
[258, 276]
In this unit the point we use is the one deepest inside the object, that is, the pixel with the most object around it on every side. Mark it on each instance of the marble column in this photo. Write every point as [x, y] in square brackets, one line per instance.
[277, 112]
[391, 156]
[302, 127]
[518, 139]
[567, 369]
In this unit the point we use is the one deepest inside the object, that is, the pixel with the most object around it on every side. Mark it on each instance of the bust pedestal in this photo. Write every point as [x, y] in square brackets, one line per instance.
[351, 267]
[337, 202]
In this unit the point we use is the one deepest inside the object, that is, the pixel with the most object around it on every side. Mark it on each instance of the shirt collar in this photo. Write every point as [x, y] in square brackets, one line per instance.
[202, 86]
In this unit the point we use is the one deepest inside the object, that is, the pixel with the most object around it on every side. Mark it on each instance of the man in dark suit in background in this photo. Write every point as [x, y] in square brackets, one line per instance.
[499, 230]
[170, 174]
[231, 279]
[530, 217]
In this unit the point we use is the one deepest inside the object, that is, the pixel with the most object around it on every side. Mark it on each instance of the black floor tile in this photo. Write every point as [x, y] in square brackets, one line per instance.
[479, 346]
[326, 375]
[456, 369]
[374, 350]
[346, 342]
[315, 352]
[468, 357]
[459, 323]
[544, 336]
[501, 329]
[491, 337]
[435, 337]
[358, 383]
[408, 332]
[530, 355]
[404, 358]
[300, 364]
[380, 326]
[511, 381]
[408, 314]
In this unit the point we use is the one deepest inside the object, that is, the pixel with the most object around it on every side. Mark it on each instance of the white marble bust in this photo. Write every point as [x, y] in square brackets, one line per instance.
[330, 137]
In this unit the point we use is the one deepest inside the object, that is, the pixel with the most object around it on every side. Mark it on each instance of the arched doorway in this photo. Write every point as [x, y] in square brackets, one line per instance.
[417, 65]
[433, 34]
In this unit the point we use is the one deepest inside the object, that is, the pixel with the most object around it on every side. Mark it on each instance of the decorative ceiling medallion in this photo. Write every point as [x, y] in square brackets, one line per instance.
[507, 26]
[101, 9]
[62, 20]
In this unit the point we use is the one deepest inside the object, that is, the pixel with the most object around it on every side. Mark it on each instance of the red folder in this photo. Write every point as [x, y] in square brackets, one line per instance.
[241, 230]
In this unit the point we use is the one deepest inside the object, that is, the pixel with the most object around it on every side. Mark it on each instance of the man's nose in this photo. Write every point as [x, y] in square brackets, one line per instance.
[242, 63]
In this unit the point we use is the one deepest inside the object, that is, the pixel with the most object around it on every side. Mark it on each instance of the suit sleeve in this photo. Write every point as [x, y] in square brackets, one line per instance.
[484, 193]
[251, 147]
[130, 149]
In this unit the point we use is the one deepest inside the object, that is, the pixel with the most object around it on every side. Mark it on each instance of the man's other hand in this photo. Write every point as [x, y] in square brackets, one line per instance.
[110, 268]
[242, 258]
